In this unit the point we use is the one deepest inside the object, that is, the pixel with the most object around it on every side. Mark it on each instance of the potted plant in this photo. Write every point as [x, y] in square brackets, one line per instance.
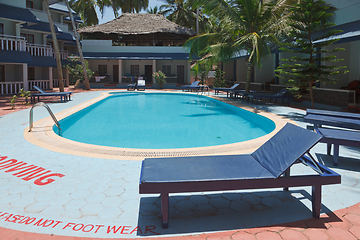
[159, 76]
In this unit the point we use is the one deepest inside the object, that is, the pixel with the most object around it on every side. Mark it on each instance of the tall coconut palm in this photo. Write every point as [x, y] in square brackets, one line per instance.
[87, 84]
[154, 10]
[128, 6]
[56, 46]
[87, 9]
[181, 12]
[251, 25]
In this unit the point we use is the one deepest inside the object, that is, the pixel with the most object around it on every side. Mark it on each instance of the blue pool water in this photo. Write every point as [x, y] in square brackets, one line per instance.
[163, 121]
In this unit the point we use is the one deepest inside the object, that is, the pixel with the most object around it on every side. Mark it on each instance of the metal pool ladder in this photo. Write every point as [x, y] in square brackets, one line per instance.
[50, 112]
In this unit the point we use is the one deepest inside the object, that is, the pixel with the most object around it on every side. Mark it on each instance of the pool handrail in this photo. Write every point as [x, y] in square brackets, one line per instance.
[31, 124]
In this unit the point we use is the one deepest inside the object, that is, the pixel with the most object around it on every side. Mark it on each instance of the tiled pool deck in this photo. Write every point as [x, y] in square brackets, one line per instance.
[96, 197]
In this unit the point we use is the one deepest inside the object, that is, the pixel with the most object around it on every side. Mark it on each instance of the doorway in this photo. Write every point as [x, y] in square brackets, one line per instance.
[148, 74]
[180, 72]
[115, 73]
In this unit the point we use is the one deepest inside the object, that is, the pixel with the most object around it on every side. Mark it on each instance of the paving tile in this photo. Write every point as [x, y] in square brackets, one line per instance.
[37, 207]
[271, 202]
[205, 210]
[251, 198]
[185, 205]
[91, 209]
[341, 223]
[114, 191]
[243, 236]
[199, 199]
[355, 230]
[219, 202]
[340, 234]
[316, 234]
[268, 236]
[75, 204]
[240, 206]
[353, 218]
[110, 213]
[290, 234]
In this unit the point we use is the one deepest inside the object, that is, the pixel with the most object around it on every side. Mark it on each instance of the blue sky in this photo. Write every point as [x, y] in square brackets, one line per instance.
[109, 15]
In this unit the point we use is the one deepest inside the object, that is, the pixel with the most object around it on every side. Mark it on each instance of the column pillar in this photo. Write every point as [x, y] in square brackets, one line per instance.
[188, 72]
[51, 80]
[153, 70]
[67, 77]
[25, 77]
[120, 71]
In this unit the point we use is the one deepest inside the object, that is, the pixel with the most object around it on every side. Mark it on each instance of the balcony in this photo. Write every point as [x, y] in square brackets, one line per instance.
[14, 43]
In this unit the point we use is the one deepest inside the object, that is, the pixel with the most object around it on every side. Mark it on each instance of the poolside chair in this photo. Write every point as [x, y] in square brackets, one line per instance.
[64, 96]
[331, 118]
[268, 167]
[338, 137]
[191, 86]
[282, 94]
[227, 90]
[141, 85]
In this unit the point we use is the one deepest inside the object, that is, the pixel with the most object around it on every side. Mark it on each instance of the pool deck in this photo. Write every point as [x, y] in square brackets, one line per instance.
[93, 197]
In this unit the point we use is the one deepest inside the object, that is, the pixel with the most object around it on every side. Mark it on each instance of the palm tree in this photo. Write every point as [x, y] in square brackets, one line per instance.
[87, 9]
[251, 25]
[181, 12]
[154, 10]
[128, 6]
[56, 46]
[87, 84]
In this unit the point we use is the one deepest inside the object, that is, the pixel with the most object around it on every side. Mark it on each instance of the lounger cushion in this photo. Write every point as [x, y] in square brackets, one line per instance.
[333, 121]
[202, 168]
[284, 148]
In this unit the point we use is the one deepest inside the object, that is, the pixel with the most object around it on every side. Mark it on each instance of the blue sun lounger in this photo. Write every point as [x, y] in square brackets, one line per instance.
[268, 167]
[282, 94]
[338, 137]
[227, 90]
[191, 86]
[64, 96]
[335, 120]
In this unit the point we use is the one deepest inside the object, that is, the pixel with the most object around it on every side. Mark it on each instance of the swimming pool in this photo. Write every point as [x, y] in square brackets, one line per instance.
[163, 121]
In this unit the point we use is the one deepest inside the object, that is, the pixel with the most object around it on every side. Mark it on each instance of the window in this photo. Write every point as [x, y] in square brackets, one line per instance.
[134, 70]
[31, 73]
[2, 73]
[102, 70]
[2, 30]
[29, 4]
[28, 37]
[166, 69]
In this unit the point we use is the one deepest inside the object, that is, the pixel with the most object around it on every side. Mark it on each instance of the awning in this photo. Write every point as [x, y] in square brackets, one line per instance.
[16, 13]
[60, 7]
[38, 61]
[77, 19]
[137, 56]
[63, 37]
[15, 57]
[41, 27]
[351, 32]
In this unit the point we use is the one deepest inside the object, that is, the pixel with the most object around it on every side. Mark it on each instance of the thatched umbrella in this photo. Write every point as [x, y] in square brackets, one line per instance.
[140, 29]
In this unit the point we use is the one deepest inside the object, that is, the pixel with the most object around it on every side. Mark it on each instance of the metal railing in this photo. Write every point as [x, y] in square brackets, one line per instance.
[31, 124]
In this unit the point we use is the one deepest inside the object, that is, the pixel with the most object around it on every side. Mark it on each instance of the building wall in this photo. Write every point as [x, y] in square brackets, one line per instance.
[348, 10]
[241, 68]
[10, 27]
[265, 73]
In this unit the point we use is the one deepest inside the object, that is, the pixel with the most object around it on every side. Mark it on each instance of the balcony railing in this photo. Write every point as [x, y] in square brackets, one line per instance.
[12, 43]
[39, 50]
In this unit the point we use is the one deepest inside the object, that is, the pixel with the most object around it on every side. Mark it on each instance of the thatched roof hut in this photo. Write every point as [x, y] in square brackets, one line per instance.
[139, 29]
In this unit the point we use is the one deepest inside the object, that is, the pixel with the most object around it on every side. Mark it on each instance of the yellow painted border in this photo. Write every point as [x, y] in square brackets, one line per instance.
[43, 136]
